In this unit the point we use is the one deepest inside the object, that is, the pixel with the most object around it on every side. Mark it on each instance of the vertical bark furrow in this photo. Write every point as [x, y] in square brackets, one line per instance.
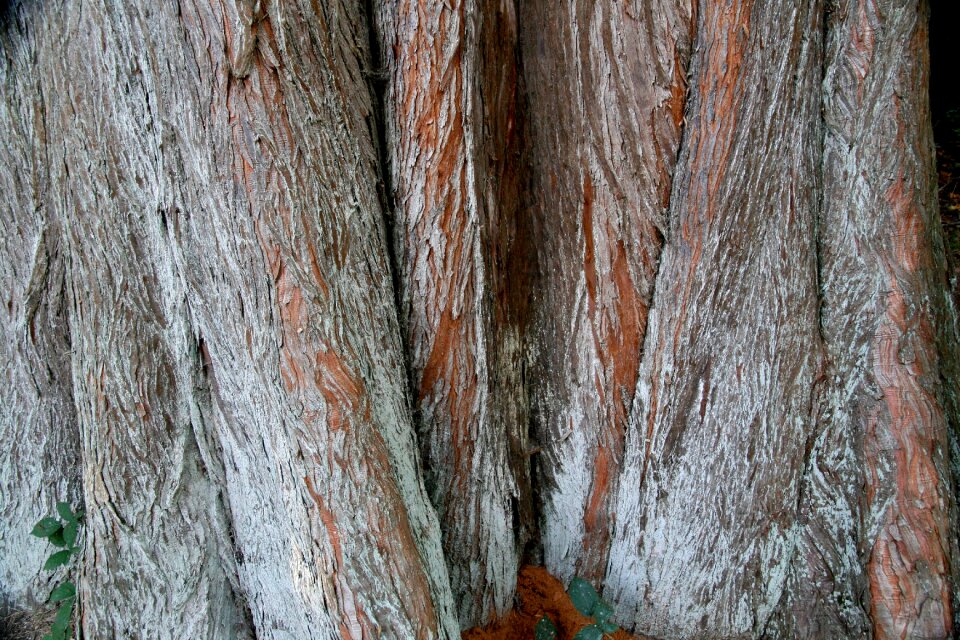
[883, 311]
[715, 450]
[450, 123]
[605, 87]
[38, 429]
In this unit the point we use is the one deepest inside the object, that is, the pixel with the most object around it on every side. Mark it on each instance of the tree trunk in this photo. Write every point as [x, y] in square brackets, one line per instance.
[722, 416]
[337, 313]
[605, 97]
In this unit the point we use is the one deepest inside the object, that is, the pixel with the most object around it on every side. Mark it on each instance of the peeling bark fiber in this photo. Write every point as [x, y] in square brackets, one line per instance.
[335, 314]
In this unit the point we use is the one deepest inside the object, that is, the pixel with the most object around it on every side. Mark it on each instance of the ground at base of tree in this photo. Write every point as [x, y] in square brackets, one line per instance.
[20, 624]
[539, 594]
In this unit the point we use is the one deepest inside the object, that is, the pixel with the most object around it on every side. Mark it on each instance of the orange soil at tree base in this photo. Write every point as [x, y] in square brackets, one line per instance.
[539, 594]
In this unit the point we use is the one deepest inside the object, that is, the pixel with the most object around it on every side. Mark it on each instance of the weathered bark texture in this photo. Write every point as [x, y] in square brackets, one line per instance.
[155, 530]
[248, 454]
[716, 446]
[450, 104]
[605, 90]
[39, 439]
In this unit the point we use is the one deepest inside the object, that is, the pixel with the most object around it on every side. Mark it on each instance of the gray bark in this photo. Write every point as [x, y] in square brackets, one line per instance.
[879, 563]
[707, 509]
[38, 429]
[606, 85]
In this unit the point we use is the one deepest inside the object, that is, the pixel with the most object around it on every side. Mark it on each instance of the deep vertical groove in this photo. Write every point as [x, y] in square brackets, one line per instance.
[378, 75]
[449, 121]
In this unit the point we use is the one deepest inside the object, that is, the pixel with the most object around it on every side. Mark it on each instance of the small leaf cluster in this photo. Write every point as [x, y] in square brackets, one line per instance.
[589, 603]
[61, 532]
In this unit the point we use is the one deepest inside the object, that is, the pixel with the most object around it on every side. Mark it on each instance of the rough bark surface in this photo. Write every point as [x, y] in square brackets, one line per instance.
[38, 430]
[451, 130]
[249, 247]
[605, 90]
[715, 448]
[248, 455]
[334, 424]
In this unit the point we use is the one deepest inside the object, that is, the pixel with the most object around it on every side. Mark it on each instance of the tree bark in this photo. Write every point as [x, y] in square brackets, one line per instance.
[883, 266]
[605, 97]
[722, 414]
[340, 312]
[218, 192]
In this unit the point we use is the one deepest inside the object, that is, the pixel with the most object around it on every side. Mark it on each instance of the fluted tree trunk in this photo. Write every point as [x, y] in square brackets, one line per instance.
[606, 89]
[336, 313]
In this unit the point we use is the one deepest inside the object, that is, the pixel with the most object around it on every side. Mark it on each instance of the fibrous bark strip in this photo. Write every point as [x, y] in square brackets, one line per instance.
[38, 430]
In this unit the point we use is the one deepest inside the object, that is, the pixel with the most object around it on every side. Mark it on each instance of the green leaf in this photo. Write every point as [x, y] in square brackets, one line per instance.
[602, 611]
[590, 632]
[583, 595]
[56, 538]
[62, 621]
[63, 592]
[70, 533]
[608, 627]
[58, 559]
[545, 629]
[46, 527]
[63, 508]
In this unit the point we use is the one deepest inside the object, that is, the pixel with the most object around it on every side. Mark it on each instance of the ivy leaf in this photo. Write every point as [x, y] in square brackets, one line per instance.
[63, 508]
[545, 629]
[45, 528]
[70, 534]
[62, 621]
[64, 592]
[56, 538]
[589, 632]
[583, 595]
[602, 611]
[58, 559]
[608, 627]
